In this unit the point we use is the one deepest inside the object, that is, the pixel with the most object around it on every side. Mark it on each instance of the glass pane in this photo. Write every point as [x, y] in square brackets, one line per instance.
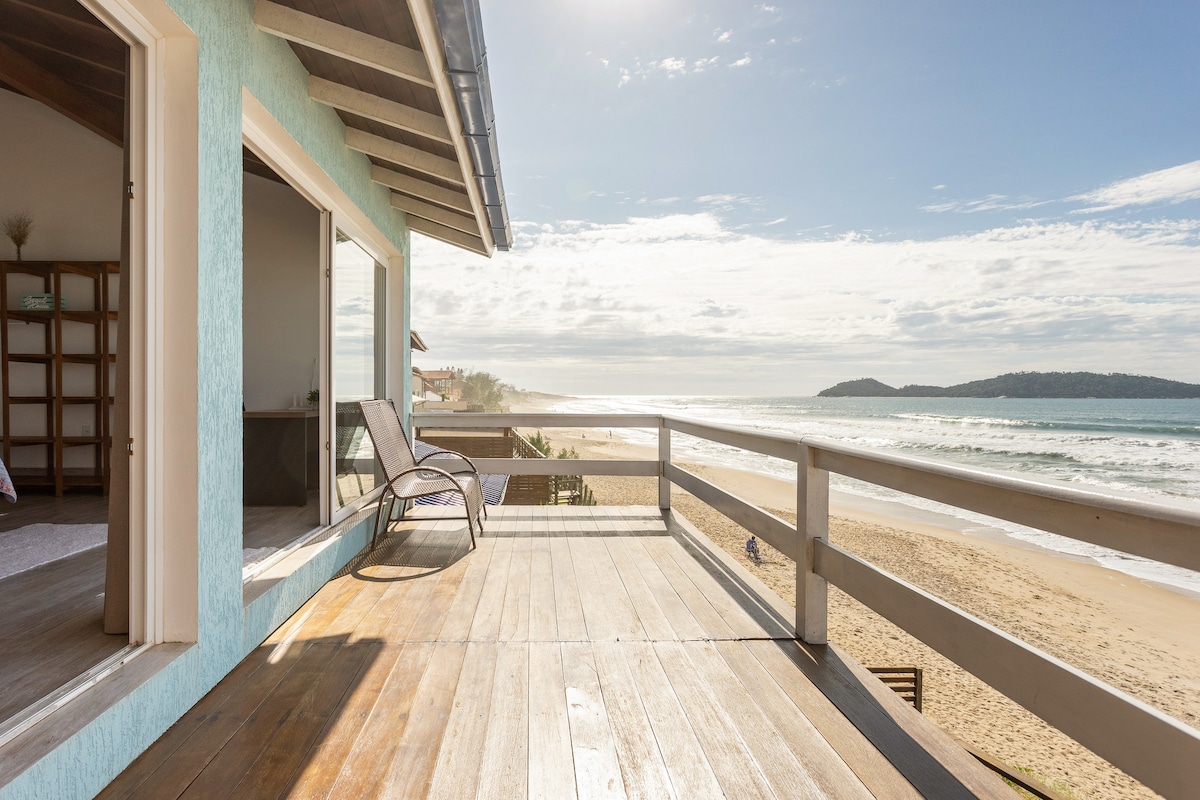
[357, 349]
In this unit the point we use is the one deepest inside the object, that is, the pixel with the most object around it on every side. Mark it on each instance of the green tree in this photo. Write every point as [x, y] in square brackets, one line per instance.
[484, 389]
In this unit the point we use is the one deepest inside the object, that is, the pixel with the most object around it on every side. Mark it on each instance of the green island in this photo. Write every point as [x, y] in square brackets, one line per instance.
[1031, 384]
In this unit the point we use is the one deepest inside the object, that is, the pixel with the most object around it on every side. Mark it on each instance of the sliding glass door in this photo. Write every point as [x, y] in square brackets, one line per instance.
[358, 369]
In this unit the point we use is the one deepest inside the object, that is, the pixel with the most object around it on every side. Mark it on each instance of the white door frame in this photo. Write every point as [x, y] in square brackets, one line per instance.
[263, 134]
[163, 87]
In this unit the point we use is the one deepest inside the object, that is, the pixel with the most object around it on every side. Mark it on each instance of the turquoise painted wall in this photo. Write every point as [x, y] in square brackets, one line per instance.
[232, 54]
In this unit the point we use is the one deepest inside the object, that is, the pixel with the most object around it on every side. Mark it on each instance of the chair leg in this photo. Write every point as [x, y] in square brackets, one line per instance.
[382, 519]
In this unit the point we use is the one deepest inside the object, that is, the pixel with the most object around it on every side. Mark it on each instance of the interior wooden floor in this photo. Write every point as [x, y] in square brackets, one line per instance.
[578, 652]
[51, 617]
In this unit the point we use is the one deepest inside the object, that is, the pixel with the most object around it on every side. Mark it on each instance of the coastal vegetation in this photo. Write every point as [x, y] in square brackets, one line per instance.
[1113, 385]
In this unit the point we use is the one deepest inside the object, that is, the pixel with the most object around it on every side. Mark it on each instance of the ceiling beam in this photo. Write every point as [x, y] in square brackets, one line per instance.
[86, 57]
[424, 190]
[404, 155]
[419, 208]
[341, 41]
[376, 108]
[79, 17]
[448, 235]
[50, 90]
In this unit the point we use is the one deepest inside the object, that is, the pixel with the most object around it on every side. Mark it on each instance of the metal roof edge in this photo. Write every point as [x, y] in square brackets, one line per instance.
[461, 27]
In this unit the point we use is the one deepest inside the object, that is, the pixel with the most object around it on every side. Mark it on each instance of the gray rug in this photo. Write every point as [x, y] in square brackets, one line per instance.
[22, 549]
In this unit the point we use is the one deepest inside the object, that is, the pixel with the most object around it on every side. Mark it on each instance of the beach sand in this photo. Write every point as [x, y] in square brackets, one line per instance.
[1139, 637]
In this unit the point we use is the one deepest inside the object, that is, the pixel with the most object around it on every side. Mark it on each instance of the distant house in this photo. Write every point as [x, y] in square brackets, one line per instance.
[444, 382]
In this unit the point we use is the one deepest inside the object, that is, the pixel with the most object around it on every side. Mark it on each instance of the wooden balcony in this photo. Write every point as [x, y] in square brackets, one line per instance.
[577, 652]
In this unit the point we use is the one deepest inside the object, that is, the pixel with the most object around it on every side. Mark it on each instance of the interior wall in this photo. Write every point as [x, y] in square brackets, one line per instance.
[69, 180]
[281, 299]
[66, 177]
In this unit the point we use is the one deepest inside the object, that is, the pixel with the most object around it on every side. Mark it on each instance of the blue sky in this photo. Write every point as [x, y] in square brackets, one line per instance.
[769, 198]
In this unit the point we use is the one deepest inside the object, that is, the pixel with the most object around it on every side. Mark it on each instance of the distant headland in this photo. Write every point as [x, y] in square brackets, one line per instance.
[1113, 386]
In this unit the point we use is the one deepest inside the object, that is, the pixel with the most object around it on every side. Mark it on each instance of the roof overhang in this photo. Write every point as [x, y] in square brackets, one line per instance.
[410, 83]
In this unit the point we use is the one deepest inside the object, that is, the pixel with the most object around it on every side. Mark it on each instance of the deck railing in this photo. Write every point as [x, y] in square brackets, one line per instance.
[1158, 750]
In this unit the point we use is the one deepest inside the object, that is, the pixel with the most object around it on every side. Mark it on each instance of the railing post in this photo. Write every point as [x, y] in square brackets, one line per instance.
[812, 523]
[664, 458]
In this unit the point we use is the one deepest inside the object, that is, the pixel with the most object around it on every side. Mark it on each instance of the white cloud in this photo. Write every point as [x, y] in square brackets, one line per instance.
[604, 62]
[993, 202]
[741, 62]
[624, 79]
[939, 187]
[604, 308]
[702, 64]
[768, 8]
[1172, 185]
[671, 66]
[723, 199]
[724, 36]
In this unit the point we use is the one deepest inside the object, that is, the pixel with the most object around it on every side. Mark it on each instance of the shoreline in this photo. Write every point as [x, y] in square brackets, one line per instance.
[1129, 632]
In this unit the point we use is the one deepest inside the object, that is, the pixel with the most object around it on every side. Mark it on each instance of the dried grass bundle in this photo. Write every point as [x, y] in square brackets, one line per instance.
[17, 227]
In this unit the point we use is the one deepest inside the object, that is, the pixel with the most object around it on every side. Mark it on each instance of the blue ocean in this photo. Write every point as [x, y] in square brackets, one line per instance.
[1149, 448]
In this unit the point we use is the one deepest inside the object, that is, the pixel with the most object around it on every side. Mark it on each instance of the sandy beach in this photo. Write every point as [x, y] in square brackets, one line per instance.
[1139, 637]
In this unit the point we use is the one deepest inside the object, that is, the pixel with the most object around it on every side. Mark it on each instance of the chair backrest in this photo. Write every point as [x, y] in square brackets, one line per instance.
[391, 442]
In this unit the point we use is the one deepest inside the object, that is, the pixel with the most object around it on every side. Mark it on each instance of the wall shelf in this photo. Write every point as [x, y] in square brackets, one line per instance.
[90, 365]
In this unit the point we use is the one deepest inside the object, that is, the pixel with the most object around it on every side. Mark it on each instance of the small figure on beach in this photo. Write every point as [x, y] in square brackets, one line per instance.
[752, 548]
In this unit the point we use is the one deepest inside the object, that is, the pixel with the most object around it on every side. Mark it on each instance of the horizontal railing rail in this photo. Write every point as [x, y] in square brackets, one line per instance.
[1153, 747]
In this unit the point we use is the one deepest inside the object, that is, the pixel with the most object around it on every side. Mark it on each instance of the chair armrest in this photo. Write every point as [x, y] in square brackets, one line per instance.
[449, 455]
[441, 472]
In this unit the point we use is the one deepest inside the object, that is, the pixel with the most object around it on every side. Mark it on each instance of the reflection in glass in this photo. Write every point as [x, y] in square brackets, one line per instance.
[357, 357]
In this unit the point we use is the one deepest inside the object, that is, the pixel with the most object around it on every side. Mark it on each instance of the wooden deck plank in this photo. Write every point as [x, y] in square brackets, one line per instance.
[411, 769]
[684, 624]
[642, 768]
[485, 627]
[456, 772]
[724, 595]
[756, 599]
[504, 761]
[651, 616]
[431, 619]
[783, 771]
[782, 660]
[514, 621]
[302, 724]
[688, 767]
[460, 617]
[732, 762]
[368, 759]
[323, 761]
[543, 619]
[568, 608]
[829, 770]
[234, 759]
[607, 608]
[204, 737]
[597, 771]
[710, 620]
[551, 766]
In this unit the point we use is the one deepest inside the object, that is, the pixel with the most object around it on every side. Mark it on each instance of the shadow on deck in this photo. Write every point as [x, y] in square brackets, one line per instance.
[577, 652]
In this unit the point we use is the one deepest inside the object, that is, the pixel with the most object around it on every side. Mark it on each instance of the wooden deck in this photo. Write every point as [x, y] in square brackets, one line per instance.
[578, 652]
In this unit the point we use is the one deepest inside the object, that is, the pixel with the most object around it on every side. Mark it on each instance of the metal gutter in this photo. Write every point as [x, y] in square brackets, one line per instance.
[466, 58]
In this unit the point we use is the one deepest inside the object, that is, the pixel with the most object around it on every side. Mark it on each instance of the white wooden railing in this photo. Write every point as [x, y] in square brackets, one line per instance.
[1153, 747]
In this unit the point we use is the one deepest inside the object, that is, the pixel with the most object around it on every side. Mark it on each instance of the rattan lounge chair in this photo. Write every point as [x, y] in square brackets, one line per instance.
[409, 477]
